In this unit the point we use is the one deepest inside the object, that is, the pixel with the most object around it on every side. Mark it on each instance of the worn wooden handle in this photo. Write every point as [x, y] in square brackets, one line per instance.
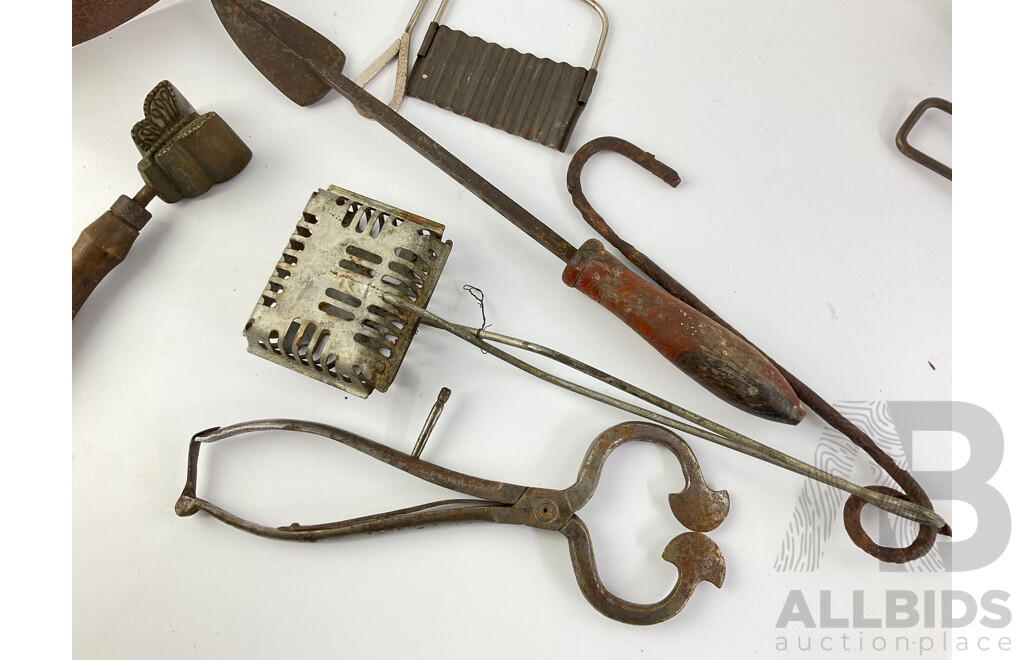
[716, 358]
[103, 245]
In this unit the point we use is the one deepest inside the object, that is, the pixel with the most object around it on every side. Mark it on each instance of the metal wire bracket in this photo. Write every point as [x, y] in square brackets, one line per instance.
[915, 154]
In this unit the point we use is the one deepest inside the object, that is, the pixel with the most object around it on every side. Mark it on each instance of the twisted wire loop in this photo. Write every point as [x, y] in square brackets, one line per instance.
[912, 490]
[478, 295]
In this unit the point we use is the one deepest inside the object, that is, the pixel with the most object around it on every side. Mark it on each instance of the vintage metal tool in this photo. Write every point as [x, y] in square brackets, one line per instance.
[351, 288]
[914, 492]
[915, 154]
[304, 65]
[183, 155]
[696, 557]
[525, 95]
[323, 312]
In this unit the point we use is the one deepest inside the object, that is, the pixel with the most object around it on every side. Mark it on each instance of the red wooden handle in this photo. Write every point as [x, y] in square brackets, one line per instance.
[716, 358]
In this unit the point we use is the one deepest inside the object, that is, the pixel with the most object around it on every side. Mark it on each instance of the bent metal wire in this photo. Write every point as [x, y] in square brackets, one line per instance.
[398, 50]
[696, 557]
[304, 65]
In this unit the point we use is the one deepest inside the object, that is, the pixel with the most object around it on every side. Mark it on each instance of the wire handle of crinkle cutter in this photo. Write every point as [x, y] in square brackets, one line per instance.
[696, 557]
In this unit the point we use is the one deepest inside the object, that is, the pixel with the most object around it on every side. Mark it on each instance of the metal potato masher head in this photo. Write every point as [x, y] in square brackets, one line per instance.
[324, 313]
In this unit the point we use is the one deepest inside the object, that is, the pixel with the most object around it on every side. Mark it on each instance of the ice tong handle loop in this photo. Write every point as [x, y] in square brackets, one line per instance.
[695, 556]
[697, 507]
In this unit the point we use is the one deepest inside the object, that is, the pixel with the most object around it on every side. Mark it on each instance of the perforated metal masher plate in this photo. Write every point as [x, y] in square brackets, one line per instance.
[323, 312]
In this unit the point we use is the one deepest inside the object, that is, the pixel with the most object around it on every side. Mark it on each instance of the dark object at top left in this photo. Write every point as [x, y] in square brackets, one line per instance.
[183, 155]
[91, 18]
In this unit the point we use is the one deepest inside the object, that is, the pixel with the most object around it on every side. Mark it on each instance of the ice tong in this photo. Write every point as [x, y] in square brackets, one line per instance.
[696, 506]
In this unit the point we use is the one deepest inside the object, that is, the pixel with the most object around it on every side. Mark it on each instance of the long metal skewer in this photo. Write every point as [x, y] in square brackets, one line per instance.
[705, 428]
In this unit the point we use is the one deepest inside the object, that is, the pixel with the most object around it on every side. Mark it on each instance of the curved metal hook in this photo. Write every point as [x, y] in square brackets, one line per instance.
[646, 160]
[914, 492]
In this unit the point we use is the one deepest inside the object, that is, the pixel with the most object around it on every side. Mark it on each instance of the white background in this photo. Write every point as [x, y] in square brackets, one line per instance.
[796, 219]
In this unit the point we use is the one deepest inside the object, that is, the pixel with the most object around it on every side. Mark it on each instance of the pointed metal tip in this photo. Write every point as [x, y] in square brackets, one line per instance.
[281, 47]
